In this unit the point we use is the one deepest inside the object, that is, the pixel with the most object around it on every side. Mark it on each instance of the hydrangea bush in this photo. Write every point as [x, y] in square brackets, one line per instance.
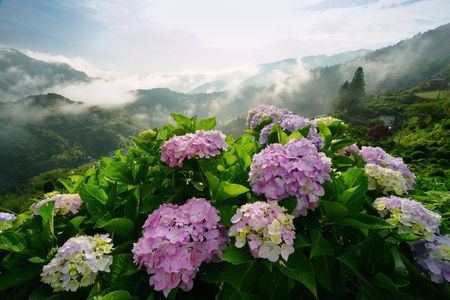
[293, 209]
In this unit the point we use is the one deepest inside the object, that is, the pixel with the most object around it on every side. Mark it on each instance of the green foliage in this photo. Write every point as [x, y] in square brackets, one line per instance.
[343, 249]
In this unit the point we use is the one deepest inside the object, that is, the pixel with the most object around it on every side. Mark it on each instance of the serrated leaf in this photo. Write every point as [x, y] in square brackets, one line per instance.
[299, 268]
[207, 124]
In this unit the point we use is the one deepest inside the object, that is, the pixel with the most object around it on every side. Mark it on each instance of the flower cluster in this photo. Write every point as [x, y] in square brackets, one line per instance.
[409, 216]
[64, 203]
[386, 179]
[266, 227]
[201, 144]
[78, 262]
[295, 169]
[286, 119]
[176, 240]
[4, 216]
[348, 150]
[377, 156]
[434, 256]
[327, 121]
[257, 114]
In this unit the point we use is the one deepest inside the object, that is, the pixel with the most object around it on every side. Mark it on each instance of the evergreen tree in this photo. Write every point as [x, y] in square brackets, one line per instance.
[351, 94]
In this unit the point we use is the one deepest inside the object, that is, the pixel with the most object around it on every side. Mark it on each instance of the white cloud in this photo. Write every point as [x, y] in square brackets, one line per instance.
[77, 63]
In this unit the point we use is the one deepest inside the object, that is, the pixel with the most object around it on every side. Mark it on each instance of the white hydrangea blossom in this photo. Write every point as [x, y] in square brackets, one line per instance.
[78, 262]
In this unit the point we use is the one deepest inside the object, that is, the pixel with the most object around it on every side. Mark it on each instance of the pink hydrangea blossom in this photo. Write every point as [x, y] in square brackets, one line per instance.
[295, 169]
[176, 240]
[201, 144]
[266, 227]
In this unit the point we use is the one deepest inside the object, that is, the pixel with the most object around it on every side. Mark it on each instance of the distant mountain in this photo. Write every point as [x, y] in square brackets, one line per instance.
[44, 132]
[265, 75]
[21, 75]
[320, 61]
[396, 67]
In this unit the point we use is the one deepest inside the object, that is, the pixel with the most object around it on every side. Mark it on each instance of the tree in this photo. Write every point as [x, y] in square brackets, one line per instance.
[351, 94]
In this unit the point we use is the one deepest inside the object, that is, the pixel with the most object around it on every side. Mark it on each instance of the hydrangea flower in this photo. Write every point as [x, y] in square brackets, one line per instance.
[377, 156]
[327, 120]
[257, 114]
[434, 256]
[78, 262]
[348, 150]
[176, 240]
[4, 216]
[386, 179]
[266, 227]
[408, 216]
[201, 144]
[291, 123]
[64, 203]
[295, 169]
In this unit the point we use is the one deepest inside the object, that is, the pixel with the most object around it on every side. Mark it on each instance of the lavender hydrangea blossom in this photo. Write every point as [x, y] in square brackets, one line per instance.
[348, 150]
[266, 227]
[176, 240]
[377, 156]
[201, 144]
[78, 262]
[286, 119]
[409, 216]
[4, 216]
[257, 114]
[295, 169]
[434, 257]
[64, 203]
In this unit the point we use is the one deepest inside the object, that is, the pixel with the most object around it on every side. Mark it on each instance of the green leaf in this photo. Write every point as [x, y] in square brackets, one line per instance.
[19, 277]
[325, 133]
[320, 245]
[237, 256]
[364, 221]
[289, 203]
[123, 227]
[213, 183]
[115, 295]
[333, 210]
[294, 135]
[182, 121]
[226, 212]
[76, 222]
[299, 268]
[13, 241]
[92, 194]
[36, 260]
[207, 124]
[337, 145]
[228, 190]
[328, 274]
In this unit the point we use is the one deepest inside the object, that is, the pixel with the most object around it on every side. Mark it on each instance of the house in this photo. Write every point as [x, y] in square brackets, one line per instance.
[388, 121]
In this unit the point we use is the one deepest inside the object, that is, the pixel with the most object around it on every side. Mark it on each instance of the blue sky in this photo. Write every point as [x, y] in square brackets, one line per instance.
[142, 37]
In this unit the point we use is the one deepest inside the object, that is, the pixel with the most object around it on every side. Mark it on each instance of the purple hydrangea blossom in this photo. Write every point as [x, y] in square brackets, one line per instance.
[77, 262]
[257, 114]
[64, 203]
[176, 240]
[201, 144]
[348, 150]
[434, 257]
[409, 216]
[377, 156]
[4, 216]
[292, 123]
[266, 227]
[295, 169]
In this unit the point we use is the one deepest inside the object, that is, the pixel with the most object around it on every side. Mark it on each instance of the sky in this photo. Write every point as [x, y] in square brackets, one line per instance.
[174, 36]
